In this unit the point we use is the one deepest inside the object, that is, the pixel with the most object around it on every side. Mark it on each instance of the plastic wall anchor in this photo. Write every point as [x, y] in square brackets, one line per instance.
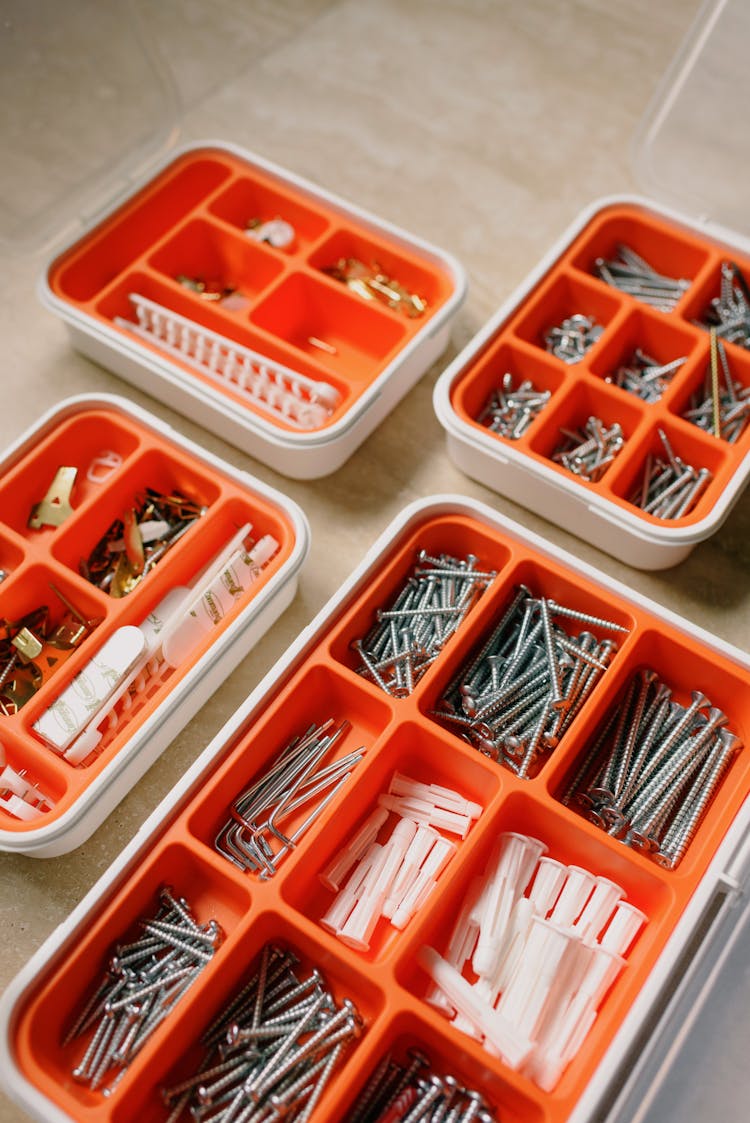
[357, 929]
[334, 873]
[622, 929]
[433, 866]
[422, 843]
[512, 957]
[425, 812]
[599, 908]
[522, 1002]
[439, 796]
[549, 880]
[349, 895]
[573, 896]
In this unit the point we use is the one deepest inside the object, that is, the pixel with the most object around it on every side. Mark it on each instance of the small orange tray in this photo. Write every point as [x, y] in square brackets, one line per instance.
[150, 456]
[317, 679]
[190, 220]
[566, 283]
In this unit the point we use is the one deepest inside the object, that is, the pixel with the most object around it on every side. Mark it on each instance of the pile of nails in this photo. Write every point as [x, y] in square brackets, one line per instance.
[411, 1089]
[522, 690]
[20, 796]
[588, 452]
[252, 837]
[570, 340]
[509, 410]
[271, 1053]
[723, 410]
[545, 942]
[134, 544]
[729, 312]
[645, 377]
[424, 614]
[669, 488]
[144, 981]
[652, 771]
[371, 283]
[394, 860]
[632, 274]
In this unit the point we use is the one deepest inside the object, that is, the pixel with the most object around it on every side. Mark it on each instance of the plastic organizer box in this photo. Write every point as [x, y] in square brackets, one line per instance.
[396, 731]
[254, 302]
[90, 692]
[606, 507]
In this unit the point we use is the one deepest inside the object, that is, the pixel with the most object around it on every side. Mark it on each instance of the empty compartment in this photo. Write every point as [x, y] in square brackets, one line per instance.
[11, 556]
[52, 618]
[400, 270]
[643, 358]
[447, 540]
[700, 471]
[484, 394]
[557, 300]
[586, 431]
[182, 491]
[318, 697]
[667, 766]
[674, 254]
[291, 956]
[78, 460]
[511, 948]
[84, 270]
[230, 267]
[414, 1042]
[501, 694]
[695, 401]
[52, 1010]
[384, 820]
[333, 327]
[251, 203]
[723, 300]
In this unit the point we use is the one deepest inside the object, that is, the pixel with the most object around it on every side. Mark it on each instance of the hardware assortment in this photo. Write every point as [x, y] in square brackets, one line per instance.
[588, 452]
[143, 983]
[669, 488]
[371, 283]
[723, 410]
[430, 884]
[425, 612]
[632, 274]
[546, 941]
[645, 377]
[570, 340]
[509, 410]
[273, 1050]
[729, 312]
[654, 768]
[393, 862]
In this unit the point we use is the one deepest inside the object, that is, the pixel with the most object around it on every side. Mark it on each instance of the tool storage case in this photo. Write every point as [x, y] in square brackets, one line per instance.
[255, 332]
[404, 729]
[76, 742]
[609, 507]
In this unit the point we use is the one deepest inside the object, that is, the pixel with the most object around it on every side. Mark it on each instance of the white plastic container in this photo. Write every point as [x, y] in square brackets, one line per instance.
[114, 451]
[687, 151]
[690, 909]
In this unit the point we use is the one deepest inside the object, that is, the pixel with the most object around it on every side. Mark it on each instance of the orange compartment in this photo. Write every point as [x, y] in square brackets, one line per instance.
[570, 286]
[51, 557]
[190, 219]
[387, 983]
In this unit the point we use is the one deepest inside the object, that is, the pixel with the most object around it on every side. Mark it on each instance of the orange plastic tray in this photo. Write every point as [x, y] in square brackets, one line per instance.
[569, 285]
[190, 219]
[34, 558]
[317, 681]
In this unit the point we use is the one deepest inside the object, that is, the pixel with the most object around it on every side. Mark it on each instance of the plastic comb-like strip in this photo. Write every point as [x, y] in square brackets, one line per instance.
[283, 394]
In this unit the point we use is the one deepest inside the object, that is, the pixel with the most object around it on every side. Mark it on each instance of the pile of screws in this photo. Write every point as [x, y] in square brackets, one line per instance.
[425, 613]
[729, 312]
[652, 771]
[631, 274]
[412, 1089]
[573, 337]
[509, 410]
[726, 408]
[272, 1052]
[252, 837]
[588, 452]
[521, 691]
[669, 488]
[134, 544]
[645, 377]
[371, 283]
[143, 983]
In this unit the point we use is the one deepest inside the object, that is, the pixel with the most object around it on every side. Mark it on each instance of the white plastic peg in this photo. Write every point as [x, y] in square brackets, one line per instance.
[624, 926]
[336, 871]
[598, 908]
[573, 896]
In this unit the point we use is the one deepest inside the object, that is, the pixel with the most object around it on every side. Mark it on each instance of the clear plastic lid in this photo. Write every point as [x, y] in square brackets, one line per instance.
[691, 150]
